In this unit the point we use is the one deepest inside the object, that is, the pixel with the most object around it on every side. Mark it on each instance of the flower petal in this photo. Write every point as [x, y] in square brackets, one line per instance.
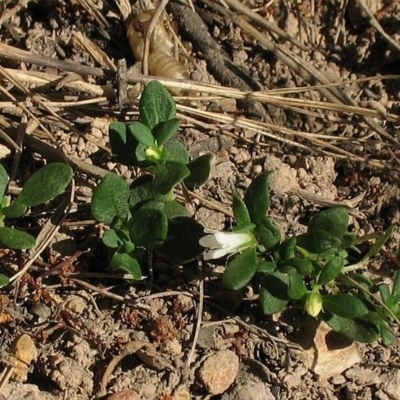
[209, 241]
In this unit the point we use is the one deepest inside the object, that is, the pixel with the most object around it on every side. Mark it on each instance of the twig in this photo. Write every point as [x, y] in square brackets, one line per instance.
[375, 24]
[199, 318]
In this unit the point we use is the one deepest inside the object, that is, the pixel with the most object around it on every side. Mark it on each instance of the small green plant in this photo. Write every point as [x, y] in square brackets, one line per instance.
[42, 186]
[310, 271]
[145, 216]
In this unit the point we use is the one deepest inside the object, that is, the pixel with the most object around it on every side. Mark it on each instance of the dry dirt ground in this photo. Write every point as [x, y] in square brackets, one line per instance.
[190, 338]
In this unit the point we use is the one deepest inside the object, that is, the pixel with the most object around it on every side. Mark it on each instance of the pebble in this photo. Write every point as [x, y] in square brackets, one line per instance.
[391, 385]
[126, 395]
[251, 390]
[75, 304]
[219, 371]
[363, 376]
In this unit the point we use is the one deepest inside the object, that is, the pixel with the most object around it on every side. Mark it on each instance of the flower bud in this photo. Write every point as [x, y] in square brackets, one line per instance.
[313, 304]
[153, 154]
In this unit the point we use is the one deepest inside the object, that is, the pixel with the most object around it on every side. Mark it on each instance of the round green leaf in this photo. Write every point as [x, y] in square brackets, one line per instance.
[156, 105]
[45, 184]
[15, 239]
[165, 130]
[296, 287]
[110, 199]
[302, 265]
[141, 133]
[127, 263]
[15, 210]
[4, 280]
[266, 266]
[200, 169]
[273, 293]
[344, 305]
[318, 241]
[287, 249]
[333, 220]
[114, 238]
[268, 234]
[257, 197]
[148, 227]
[331, 270]
[123, 144]
[182, 242]
[176, 152]
[240, 270]
[168, 175]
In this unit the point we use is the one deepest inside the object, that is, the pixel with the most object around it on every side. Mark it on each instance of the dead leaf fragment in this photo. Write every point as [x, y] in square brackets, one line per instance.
[24, 353]
[332, 360]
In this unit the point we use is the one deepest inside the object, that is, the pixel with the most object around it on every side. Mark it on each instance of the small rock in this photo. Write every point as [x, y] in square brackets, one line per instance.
[75, 304]
[391, 385]
[126, 395]
[363, 376]
[251, 390]
[219, 371]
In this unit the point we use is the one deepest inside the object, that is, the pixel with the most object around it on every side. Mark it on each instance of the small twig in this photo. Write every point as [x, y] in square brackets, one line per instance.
[375, 24]
[103, 292]
[199, 318]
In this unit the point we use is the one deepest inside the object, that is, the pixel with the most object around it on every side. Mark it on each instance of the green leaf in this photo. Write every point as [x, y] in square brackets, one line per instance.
[273, 293]
[344, 305]
[268, 234]
[267, 267]
[386, 332]
[142, 192]
[240, 270]
[4, 280]
[379, 243]
[257, 197]
[168, 175]
[123, 144]
[173, 209]
[127, 263]
[45, 184]
[305, 267]
[15, 239]
[182, 243]
[396, 287]
[384, 291]
[318, 241]
[110, 199]
[114, 238]
[141, 133]
[200, 170]
[4, 179]
[355, 329]
[148, 227]
[296, 287]
[15, 210]
[156, 105]
[175, 151]
[240, 211]
[331, 270]
[165, 130]
[287, 249]
[333, 220]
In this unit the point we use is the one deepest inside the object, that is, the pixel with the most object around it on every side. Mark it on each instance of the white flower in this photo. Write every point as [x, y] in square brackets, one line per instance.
[223, 243]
